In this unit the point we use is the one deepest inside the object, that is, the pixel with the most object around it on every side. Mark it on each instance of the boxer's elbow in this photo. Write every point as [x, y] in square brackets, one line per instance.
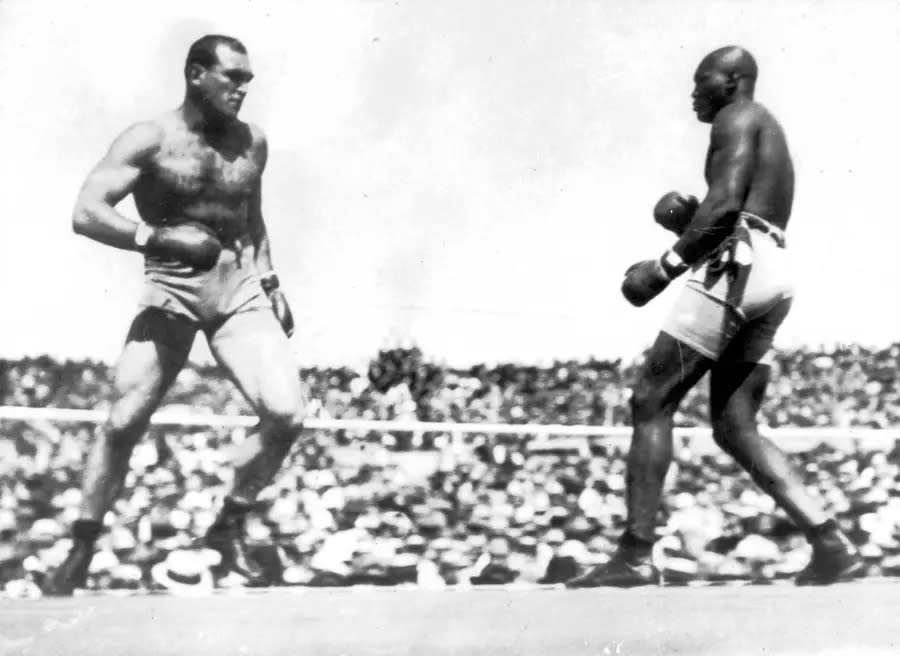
[83, 218]
[725, 211]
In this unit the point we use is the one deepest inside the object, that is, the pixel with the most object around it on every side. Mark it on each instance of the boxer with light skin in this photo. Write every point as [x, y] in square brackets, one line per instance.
[195, 174]
[737, 295]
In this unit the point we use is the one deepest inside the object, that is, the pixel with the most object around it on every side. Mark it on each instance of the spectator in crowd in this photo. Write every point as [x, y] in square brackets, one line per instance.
[350, 509]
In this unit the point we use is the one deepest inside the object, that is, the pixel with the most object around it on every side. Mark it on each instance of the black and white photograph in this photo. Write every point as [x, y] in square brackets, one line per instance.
[431, 327]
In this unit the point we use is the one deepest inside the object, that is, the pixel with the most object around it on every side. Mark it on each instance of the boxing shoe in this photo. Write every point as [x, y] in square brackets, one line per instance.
[72, 573]
[619, 572]
[834, 558]
[226, 536]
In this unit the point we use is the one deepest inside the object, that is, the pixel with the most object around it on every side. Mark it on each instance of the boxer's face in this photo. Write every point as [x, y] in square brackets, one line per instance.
[712, 91]
[223, 85]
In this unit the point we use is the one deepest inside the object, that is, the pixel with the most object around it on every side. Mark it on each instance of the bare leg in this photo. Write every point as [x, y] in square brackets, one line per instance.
[157, 346]
[736, 393]
[672, 368]
[670, 371]
[255, 352]
[737, 390]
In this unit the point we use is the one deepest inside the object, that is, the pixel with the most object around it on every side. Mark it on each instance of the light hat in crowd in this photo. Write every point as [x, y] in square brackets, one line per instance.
[34, 564]
[333, 498]
[292, 526]
[184, 572]
[180, 541]
[871, 551]
[126, 575]
[476, 541]
[7, 520]
[103, 561]
[122, 539]
[498, 547]
[68, 498]
[541, 520]
[524, 514]
[46, 530]
[415, 541]
[328, 563]
[527, 542]
[554, 537]
[756, 548]
[256, 530]
[404, 560]
[454, 560]
[296, 575]
[179, 519]
[574, 549]
[559, 511]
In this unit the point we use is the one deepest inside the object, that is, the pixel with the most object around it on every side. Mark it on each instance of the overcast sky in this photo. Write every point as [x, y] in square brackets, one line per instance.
[470, 176]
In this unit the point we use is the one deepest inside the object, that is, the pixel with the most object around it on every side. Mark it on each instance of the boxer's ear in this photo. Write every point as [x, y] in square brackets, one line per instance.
[194, 73]
[731, 84]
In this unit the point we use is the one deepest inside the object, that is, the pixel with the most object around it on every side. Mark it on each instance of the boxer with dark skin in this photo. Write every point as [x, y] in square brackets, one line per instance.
[195, 175]
[723, 324]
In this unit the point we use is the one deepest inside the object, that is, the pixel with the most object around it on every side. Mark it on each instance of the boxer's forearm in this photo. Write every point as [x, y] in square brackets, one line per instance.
[263, 251]
[98, 221]
[713, 222]
[732, 162]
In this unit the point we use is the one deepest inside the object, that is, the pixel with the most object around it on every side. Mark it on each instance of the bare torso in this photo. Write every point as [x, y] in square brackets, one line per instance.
[210, 177]
[771, 192]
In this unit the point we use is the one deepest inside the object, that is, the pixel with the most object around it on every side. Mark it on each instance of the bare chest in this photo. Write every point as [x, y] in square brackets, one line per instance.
[187, 169]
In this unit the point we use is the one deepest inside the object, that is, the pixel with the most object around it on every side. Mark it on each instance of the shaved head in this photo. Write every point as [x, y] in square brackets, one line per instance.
[733, 61]
[724, 76]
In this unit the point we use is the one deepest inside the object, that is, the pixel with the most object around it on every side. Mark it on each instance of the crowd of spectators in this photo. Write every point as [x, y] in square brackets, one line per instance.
[432, 509]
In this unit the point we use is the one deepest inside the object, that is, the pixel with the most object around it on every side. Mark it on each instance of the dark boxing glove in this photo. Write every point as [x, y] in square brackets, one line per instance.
[191, 243]
[675, 211]
[280, 305]
[645, 280]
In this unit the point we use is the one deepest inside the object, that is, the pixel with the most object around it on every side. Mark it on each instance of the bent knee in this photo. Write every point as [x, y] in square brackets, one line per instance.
[650, 400]
[286, 418]
[727, 430]
[127, 419]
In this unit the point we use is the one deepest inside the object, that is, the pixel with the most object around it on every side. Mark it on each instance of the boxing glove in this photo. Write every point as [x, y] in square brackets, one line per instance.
[191, 243]
[675, 211]
[645, 280]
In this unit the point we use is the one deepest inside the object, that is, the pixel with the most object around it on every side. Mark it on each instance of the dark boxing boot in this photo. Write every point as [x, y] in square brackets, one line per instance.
[73, 572]
[631, 566]
[226, 536]
[834, 557]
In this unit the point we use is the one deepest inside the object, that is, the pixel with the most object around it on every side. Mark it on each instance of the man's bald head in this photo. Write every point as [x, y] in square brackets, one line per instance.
[733, 61]
[724, 75]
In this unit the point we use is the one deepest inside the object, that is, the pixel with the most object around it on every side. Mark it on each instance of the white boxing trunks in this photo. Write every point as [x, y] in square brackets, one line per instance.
[736, 299]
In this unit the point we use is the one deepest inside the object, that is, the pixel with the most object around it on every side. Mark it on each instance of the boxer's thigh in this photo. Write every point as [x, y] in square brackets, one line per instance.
[157, 346]
[703, 321]
[753, 343]
[256, 354]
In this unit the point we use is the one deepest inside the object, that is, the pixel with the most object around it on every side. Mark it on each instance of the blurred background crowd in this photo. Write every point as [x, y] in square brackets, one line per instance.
[435, 509]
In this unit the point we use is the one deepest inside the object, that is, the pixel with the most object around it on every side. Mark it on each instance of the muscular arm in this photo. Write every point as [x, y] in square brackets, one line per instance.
[256, 224]
[733, 159]
[109, 182]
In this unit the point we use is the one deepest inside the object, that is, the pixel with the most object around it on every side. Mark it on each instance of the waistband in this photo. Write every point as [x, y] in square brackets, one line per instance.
[758, 223]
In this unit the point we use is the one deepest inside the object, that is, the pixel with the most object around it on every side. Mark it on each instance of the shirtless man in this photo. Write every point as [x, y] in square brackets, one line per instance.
[737, 295]
[195, 174]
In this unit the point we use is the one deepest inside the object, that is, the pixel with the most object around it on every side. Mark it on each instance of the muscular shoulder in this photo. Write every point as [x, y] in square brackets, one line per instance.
[259, 144]
[738, 120]
[138, 142]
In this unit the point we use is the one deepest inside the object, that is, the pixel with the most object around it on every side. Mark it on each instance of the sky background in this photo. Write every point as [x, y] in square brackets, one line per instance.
[473, 177]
